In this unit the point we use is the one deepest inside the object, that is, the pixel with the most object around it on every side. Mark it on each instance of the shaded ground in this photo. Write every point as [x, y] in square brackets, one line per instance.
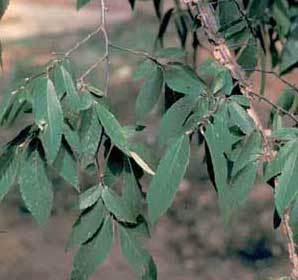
[190, 242]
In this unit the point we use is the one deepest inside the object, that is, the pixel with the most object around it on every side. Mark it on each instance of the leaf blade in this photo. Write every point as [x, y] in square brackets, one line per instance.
[93, 253]
[169, 173]
[35, 188]
[113, 128]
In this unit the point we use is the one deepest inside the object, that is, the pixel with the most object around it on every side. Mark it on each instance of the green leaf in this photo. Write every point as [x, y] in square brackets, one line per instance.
[248, 57]
[169, 173]
[274, 167]
[241, 100]
[237, 191]
[144, 69]
[130, 131]
[3, 7]
[9, 171]
[210, 68]
[114, 166]
[172, 122]
[142, 163]
[232, 192]
[170, 53]
[93, 253]
[144, 158]
[285, 134]
[228, 12]
[67, 167]
[48, 116]
[90, 197]
[219, 75]
[289, 57]
[58, 79]
[131, 194]
[35, 187]
[195, 118]
[72, 96]
[241, 118]
[19, 103]
[73, 139]
[86, 100]
[237, 34]
[282, 17]
[149, 94]
[249, 152]
[286, 190]
[82, 3]
[223, 82]
[6, 106]
[256, 8]
[286, 101]
[294, 218]
[181, 78]
[115, 204]
[86, 225]
[90, 132]
[95, 91]
[138, 258]
[112, 128]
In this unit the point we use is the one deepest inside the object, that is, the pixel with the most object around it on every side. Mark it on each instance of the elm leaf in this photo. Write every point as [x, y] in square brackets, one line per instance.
[48, 116]
[116, 205]
[86, 225]
[286, 190]
[183, 79]
[137, 257]
[93, 253]
[35, 187]
[112, 128]
[169, 174]
[149, 94]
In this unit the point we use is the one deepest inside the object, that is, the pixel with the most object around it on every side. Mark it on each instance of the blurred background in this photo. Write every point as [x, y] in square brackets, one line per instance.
[190, 242]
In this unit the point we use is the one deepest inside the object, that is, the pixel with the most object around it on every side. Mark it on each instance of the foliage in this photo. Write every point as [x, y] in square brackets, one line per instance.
[74, 127]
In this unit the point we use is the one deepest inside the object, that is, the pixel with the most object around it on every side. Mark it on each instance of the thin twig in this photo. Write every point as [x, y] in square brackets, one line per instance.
[91, 69]
[29, 79]
[291, 245]
[105, 34]
[271, 72]
[135, 52]
[106, 55]
[83, 41]
[275, 106]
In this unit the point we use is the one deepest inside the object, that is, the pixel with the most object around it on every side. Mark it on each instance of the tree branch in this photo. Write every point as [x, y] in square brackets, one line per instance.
[275, 106]
[291, 245]
[271, 72]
